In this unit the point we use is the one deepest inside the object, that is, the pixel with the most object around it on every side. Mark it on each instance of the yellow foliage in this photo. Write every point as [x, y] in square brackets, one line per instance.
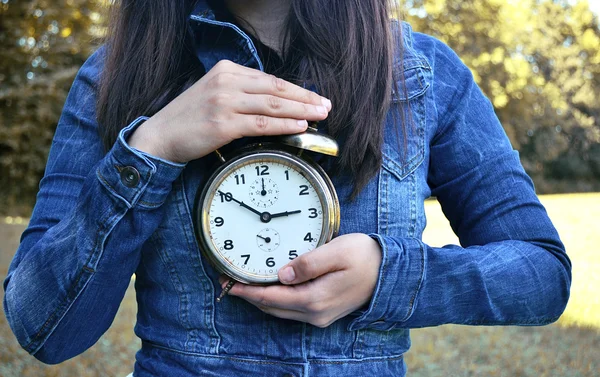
[590, 40]
[65, 32]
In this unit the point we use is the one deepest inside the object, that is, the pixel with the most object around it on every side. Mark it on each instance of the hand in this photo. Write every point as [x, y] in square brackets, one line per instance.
[323, 285]
[286, 213]
[229, 102]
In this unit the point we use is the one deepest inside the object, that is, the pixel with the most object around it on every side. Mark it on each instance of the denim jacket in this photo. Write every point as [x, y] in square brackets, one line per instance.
[95, 224]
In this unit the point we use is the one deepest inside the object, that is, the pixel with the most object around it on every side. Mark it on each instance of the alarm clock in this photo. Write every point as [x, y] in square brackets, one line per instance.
[266, 205]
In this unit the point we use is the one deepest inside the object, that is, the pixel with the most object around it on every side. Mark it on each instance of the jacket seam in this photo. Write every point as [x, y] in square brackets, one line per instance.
[67, 302]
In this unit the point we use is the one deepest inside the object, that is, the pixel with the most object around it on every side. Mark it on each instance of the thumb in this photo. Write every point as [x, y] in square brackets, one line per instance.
[311, 265]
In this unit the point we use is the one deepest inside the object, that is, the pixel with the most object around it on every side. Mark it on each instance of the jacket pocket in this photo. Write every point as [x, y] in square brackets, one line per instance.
[404, 148]
[404, 138]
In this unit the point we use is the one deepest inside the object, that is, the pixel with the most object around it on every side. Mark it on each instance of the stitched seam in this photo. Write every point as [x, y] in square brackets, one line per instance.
[42, 332]
[239, 359]
[266, 362]
[411, 303]
[360, 361]
[70, 297]
[194, 245]
[151, 205]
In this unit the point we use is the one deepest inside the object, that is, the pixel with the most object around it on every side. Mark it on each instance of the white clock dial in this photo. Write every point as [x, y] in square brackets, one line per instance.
[258, 234]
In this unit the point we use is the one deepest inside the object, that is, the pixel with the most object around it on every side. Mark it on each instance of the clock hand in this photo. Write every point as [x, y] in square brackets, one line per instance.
[229, 196]
[263, 192]
[267, 239]
[286, 213]
[265, 217]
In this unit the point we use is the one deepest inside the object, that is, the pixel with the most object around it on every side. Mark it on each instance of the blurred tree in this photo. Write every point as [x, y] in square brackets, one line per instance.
[42, 45]
[539, 63]
[537, 60]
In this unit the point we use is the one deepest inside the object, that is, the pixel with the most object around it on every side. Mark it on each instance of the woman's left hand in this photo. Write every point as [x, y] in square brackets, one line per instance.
[323, 285]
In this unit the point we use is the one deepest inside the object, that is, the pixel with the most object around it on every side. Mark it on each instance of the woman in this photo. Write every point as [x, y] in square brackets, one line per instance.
[119, 187]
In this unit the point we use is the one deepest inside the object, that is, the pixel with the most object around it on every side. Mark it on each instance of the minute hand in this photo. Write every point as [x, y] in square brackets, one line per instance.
[286, 213]
[229, 196]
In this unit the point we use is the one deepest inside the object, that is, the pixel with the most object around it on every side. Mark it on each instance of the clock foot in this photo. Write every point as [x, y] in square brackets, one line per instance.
[226, 290]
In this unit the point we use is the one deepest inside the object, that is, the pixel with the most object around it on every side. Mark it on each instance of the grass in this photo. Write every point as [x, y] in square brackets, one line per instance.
[570, 347]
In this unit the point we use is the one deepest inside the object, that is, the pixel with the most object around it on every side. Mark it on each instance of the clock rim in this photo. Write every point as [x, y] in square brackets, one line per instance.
[318, 179]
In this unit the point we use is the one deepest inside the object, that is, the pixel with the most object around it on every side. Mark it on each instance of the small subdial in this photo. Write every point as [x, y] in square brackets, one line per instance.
[264, 192]
[268, 239]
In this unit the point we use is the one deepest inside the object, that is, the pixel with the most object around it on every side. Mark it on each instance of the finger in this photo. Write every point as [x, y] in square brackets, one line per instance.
[279, 107]
[257, 82]
[296, 298]
[320, 261]
[275, 86]
[314, 314]
[263, 125]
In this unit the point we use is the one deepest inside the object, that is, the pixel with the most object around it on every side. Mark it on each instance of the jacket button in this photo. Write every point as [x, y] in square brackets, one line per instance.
[130, 177]
[288, 375]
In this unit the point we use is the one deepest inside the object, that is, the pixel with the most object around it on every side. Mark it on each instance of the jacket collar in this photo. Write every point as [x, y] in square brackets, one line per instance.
[202, 10]
[210, 33]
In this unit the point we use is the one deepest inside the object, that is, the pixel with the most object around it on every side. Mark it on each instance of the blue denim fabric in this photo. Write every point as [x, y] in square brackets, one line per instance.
[91, 230]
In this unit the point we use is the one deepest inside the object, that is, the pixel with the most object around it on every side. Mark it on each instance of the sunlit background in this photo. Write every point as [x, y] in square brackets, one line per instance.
[537, 60]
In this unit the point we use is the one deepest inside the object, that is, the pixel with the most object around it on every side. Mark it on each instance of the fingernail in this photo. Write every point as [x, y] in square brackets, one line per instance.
[287, 275]
[302, 124]
[326, 103]
[322, 109]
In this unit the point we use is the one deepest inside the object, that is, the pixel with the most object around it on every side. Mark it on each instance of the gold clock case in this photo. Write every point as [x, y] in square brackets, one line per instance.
[313, 172]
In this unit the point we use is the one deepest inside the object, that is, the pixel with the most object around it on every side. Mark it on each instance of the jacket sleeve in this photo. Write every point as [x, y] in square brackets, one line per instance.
[512, 268]
[93, 213]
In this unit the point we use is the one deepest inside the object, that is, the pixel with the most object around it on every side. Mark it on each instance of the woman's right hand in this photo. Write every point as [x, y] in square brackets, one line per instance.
[231, 101]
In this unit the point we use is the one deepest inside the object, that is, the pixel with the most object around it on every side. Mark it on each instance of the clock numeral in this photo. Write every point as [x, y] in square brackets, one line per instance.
[313, 213]
[228, 245]
[293, 254]
[240, 178]
[262, 170]
[219, 221]
[304, 190]
[308, 237]
[226, 197]
[287, 175]
[247, 256]
[270, 262]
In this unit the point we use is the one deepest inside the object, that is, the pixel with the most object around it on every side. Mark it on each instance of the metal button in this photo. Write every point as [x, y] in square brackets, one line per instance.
[130, 176]
[288, 375]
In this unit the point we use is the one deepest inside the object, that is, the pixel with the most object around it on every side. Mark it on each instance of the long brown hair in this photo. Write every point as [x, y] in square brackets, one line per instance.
[346, 51]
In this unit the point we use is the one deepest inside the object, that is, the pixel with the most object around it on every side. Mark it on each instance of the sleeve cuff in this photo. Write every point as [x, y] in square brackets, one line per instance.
[135, 177]
[400, 276]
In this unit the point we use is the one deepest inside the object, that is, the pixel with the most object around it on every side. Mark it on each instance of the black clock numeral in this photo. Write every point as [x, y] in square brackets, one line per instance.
[219, 221]
[308, 237]
[313, 213]
[228, 245]
[240, 178]
[293, 254]
[287, 175]
[247, 256]
[270, 262]
[226, 197]
[262, 170]
[304, 190]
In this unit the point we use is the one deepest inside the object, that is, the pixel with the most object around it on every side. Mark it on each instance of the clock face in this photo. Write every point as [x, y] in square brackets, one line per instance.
[262, 212]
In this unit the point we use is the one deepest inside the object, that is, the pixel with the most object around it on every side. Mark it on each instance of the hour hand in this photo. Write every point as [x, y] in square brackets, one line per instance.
[228, 197]
[286, 213]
